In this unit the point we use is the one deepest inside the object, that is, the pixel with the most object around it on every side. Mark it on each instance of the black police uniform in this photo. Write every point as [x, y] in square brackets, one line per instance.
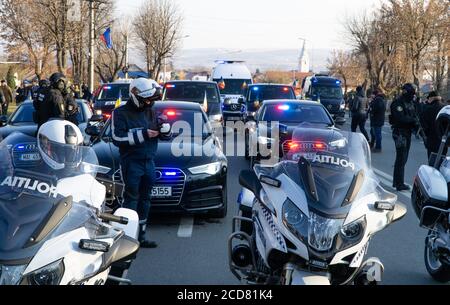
[428, 121]
[38, 102]
[137, 151]
[71, 108]
[53, 107]
[404, 121]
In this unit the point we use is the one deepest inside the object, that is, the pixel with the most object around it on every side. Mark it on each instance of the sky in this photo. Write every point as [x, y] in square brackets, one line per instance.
[233, 25]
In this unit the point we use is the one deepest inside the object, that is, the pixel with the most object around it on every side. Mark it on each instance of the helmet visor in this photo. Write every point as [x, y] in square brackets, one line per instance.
[63, 154]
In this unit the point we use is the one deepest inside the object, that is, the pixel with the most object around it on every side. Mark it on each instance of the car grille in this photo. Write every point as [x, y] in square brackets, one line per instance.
[233, 107]
[177, 182]
[304, 147]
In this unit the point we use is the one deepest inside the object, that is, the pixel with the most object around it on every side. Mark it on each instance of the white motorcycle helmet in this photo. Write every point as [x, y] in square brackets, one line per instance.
[144, 92]
[60, 144]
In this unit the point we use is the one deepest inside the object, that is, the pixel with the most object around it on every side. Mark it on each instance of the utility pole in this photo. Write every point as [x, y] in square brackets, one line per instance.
[91, 44]
[126, 56]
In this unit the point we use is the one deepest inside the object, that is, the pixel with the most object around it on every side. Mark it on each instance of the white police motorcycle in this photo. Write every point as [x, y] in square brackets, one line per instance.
[308, 219]
[430, 201]
[53, 229]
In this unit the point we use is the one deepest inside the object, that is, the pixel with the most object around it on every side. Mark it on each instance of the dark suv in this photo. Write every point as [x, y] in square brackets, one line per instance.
[109, 95]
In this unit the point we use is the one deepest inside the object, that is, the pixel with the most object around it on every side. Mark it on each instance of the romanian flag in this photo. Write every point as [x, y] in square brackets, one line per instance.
[119, 100]
[106, 38]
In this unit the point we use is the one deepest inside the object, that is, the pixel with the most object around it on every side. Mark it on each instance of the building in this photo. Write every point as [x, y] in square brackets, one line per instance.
[304, 62]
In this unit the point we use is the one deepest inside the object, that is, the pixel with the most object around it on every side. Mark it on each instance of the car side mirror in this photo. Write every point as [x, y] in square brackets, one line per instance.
[96, 118]
[283, 129]
[3, 120]
[241, 100]
[93, 131]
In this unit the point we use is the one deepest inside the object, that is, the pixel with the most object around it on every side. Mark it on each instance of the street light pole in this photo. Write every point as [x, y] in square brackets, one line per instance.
[91, 44]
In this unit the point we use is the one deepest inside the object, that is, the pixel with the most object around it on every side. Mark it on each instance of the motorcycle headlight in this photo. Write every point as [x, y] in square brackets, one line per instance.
[323, 232]
[210, 169]
[265, 140]
[295, 220]
[49, 275]
[351, 234]
[11, 275]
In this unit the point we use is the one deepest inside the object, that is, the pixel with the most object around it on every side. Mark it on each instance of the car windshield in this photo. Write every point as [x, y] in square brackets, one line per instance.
[31, 191]
[112, 92]
[234, 86]
[264, 93]
[327, 92]
[296, 114]
[186, 123]
[327, 165]
[191, 92]
[24, 114]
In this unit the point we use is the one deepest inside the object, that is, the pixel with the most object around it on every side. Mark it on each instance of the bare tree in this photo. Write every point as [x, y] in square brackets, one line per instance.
[158, 29]
[348, 66]
[20, 30]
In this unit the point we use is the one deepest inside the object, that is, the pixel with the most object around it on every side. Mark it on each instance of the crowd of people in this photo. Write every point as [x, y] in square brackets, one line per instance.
[408, 116]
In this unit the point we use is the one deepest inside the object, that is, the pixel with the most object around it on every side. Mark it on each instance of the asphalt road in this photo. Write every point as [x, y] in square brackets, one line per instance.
[193, 251]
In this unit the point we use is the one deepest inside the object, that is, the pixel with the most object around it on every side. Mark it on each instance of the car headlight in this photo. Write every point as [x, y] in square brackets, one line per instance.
[265, 140]
[98, 112]
[11, 275]
[323, 231]
[210, 169]
[295, 220]
[251, 114]
[342, 107]
[49, 275]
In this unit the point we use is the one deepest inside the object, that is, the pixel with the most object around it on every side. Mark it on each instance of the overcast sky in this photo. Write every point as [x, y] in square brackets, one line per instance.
[261, 24]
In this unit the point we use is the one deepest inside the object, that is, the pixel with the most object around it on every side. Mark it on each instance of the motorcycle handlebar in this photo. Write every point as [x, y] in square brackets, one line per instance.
[113, 218]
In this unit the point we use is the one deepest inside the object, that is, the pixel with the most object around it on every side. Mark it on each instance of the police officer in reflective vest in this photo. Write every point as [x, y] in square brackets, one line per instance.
[404, 120]
[135, 130]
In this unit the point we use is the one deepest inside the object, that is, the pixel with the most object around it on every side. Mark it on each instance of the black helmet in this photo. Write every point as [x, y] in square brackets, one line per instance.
[44, 83]
[410, 89]
[56, 77]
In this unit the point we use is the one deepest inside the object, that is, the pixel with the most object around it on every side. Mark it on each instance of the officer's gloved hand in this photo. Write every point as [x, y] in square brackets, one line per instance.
[165, 129]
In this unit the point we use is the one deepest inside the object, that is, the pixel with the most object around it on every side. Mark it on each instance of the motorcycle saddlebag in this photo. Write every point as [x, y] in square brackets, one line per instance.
[430, 189]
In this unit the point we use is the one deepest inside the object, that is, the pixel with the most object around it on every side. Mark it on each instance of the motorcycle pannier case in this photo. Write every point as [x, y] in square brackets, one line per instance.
[430, 189]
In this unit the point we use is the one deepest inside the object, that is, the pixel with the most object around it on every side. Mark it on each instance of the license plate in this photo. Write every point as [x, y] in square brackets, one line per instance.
[234, 118]
[161, 191]
[30, 157]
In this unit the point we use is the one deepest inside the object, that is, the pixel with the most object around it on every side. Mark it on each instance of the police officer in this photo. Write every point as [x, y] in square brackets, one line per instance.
[135, 131]
[71, 106]
[38, 100]
[53, 105]
[404, 120]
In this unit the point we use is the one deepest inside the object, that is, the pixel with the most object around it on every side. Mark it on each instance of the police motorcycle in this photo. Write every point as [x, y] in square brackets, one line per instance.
[53, 227]
[431, 204]
[308, 219]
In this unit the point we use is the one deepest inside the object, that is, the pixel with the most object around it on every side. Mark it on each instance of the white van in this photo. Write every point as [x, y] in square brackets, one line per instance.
[233, 78]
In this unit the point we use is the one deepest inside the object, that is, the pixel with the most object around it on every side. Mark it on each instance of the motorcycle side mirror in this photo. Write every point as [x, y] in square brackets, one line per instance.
[3, 120]
[93, 131]
[96, 118]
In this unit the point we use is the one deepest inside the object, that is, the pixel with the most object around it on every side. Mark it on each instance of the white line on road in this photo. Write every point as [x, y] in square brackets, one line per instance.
[387, 179]
[186, 227]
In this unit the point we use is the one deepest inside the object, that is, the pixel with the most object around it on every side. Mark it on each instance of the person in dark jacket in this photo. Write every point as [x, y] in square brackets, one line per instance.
[358, 108]
[8, 97]
[404, 121]
[71, 106]
[135, 131]
[53, 106]
[377, 118]
[44, 88]
[428, 120]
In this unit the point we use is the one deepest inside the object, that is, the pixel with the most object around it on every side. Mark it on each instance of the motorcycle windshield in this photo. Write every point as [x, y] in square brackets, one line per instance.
[330, 165]
[34, 197]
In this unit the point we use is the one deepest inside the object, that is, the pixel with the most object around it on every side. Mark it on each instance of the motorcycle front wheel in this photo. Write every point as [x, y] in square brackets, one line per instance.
[438, 270]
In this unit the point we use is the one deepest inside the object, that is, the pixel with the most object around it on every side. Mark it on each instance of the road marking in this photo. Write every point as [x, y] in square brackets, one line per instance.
[186, 227]
[387, 179]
